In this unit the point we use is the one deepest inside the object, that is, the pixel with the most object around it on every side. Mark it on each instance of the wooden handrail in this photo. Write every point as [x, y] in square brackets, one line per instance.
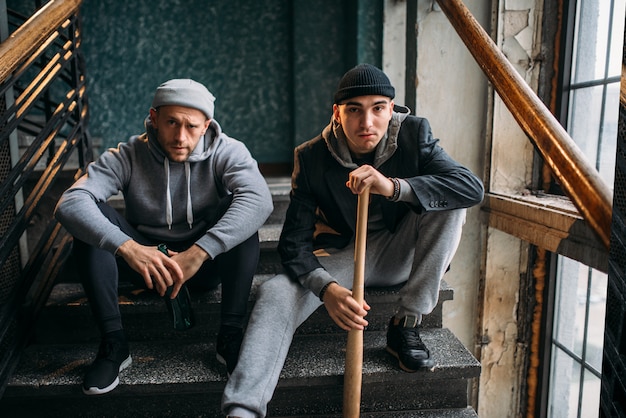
[580, 181]
[32, 34]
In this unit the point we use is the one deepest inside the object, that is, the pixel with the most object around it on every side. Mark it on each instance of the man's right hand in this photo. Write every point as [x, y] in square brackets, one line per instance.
[158, 270]
[344, 309]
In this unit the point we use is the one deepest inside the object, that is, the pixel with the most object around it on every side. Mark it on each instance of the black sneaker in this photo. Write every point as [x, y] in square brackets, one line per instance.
[228, 346]
[102, 376]
[405, 344]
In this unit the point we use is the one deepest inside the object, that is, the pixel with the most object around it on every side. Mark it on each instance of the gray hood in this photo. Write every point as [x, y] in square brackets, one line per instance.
[205, 147]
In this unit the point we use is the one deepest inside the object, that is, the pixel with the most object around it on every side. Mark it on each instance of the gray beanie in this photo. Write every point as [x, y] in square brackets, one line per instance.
[364, 80]
[187, 93]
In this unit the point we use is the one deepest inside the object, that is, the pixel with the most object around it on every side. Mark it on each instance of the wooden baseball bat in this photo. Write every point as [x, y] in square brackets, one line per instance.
[354, 349]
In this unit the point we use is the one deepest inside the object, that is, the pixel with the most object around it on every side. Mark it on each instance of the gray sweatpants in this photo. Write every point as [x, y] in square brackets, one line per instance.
[419, 252]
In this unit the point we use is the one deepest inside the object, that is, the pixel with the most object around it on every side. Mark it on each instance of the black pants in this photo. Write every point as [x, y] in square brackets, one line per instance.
[100, 272]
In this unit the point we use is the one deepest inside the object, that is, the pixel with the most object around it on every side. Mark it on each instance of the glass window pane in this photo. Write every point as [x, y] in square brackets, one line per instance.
[591, 41]
[564, 386]
[617, 34]
[608, 144]
[591, 396]
[564, 311]
[570, 306]
[584, 120]
[597, 309]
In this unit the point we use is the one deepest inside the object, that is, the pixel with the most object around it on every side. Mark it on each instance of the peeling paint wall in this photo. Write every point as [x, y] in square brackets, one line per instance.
[501, 357]
[502, 354]
[519, 22]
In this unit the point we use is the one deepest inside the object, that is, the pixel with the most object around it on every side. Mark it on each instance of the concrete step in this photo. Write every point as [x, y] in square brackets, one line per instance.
[280, 187]
[67, 317]
[432, 413]
[182, 378]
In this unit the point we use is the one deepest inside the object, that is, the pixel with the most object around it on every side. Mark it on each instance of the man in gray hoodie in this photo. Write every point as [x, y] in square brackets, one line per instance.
[418, 199]
[194, 201]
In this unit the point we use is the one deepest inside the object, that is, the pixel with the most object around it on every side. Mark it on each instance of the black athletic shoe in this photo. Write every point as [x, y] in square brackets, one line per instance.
[228, 346]
[405, 344]
[102, 376]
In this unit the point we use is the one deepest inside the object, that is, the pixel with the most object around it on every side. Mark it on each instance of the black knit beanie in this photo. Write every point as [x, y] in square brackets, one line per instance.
[364, 80]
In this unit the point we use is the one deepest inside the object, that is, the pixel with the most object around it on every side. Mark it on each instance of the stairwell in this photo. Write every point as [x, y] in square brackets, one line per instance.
[175, 374]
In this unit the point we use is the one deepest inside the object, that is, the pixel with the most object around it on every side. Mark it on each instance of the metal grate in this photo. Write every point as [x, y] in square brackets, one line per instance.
[613, 396]
[10, 269]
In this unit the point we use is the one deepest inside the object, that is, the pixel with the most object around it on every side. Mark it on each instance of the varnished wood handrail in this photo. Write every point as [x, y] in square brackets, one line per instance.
[31, 35]
[580, 181]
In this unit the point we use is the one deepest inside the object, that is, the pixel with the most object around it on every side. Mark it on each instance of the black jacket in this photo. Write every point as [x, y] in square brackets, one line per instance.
[322, 211]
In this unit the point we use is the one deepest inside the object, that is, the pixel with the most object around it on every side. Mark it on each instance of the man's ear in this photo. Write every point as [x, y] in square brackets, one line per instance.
[153, 116]
[336, 115]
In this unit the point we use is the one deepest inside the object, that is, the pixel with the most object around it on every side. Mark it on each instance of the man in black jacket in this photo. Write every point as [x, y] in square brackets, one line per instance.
[417, 210]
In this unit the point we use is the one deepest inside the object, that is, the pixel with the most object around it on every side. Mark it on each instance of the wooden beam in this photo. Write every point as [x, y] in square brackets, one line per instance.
[549, 222]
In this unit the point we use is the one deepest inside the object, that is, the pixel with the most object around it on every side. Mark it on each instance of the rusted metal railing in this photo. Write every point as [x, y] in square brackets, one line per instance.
[43, 114]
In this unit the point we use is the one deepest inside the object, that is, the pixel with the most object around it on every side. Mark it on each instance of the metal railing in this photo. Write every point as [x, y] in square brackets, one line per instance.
[43, 115]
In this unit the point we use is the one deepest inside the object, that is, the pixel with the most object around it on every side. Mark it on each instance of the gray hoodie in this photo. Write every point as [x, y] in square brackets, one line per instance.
[170, 201]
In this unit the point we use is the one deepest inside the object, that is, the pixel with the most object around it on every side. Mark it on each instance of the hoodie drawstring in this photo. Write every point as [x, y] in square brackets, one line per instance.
[189, 208]
[168, 195]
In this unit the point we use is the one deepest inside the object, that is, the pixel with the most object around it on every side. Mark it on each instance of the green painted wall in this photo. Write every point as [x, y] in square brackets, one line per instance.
[272, 64]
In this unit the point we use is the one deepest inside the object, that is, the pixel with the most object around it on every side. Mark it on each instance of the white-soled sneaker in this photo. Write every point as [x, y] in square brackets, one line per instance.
[103, 374]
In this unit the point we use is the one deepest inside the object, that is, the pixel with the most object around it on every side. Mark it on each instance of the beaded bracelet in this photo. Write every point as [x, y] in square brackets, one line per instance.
[396, 189]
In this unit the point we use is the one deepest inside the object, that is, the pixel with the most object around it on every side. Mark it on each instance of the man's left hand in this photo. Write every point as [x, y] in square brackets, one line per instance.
[190, 262]
[344, 310]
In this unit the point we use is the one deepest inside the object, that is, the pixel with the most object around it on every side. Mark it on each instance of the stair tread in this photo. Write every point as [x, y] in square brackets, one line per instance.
[313, 358]
[146, 318]
[430, 413]
[269, 235]
[279, 185]
[72, 295]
